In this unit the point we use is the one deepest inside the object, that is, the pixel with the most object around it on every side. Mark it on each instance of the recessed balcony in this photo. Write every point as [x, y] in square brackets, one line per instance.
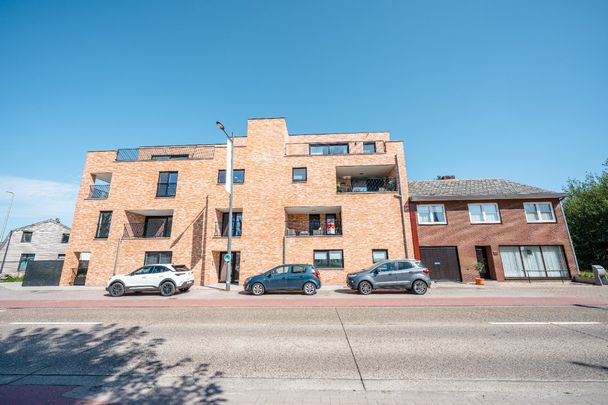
[367, 179]
[313, 221]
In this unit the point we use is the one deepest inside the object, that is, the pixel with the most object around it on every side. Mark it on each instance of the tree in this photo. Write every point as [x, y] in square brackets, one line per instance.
[586, 209]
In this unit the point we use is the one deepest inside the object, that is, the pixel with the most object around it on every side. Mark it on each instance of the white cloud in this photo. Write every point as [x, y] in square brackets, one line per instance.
[36, 200]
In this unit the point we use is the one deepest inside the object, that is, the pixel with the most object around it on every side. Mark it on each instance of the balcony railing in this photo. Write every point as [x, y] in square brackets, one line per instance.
[165, 153]
[313, 228]
[221, 230]
[368, 185]
[99, 191]
[141, 230]
[335, 148]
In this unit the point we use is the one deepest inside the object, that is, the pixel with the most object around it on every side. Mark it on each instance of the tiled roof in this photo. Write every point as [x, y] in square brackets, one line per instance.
[475, 189]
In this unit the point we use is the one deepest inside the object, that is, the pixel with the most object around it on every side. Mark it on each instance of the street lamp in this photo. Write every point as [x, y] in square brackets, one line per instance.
[8, 213]
[229, 188]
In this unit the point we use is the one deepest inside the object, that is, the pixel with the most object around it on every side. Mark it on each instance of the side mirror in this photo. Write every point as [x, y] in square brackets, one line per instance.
[269, 275]
[375, 272]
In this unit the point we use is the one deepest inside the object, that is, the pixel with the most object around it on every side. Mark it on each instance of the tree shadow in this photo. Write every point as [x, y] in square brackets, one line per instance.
[114, 365]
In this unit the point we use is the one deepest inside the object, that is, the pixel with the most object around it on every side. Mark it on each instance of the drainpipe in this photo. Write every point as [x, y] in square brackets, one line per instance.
[116, 257]
[561, 207]
[401, 206]
[8, 244]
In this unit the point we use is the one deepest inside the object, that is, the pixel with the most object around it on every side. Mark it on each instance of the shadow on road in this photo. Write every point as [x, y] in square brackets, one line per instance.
[124, 363]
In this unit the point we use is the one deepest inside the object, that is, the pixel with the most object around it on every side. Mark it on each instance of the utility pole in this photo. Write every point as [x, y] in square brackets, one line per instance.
[8, 213]
[230, 189]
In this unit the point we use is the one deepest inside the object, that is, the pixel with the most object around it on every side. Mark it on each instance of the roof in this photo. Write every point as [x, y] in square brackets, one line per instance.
[481, 189]
[54, 220]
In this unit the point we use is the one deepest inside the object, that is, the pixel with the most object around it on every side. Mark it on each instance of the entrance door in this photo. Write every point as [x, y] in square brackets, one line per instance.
[314, 223]
[81, 272]
[482, 256]
[236, 266]
[442, 261]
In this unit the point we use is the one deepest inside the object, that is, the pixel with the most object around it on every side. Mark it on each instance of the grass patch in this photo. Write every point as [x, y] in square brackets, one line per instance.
[11, 279]
[586, 274]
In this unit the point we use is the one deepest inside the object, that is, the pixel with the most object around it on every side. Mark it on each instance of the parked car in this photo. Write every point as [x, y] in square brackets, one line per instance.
[286, 277]
[402, 273]
[165, 278]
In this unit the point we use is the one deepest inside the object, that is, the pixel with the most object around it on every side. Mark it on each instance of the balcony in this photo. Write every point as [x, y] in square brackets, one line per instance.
[149, 153]
[335, 148]
[148, 224]
[313, 221]
[367, 179]
[99, 191]
[221, 224]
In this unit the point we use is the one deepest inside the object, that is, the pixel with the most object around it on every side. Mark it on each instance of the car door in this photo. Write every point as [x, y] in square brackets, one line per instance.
[384, 275]
[158, 274]
[138, 278]
[277, 279]
[296, 276]
[404, 273]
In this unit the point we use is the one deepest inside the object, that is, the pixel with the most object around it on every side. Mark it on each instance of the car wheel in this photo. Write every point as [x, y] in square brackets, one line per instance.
[167, 289]
[419, 287]
[365, 287]
[117, 290]
[309, 288]
[257, 289]
[184, 289]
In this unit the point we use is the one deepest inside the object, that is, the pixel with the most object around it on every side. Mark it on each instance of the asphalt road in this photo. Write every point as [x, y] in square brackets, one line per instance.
[309, 355]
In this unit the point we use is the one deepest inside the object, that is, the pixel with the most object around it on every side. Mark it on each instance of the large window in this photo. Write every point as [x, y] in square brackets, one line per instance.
[329, 149]
[369, 147]
[431, 214]
[379, 254]
[170, 157]
[484, 213]
[533, 261]
[167, 184]
[330, 259]
[539, 212]
[25, 258]
[237, 223]
[103, 224]
[158, 258]
[299, 174]
[238, 176]
[158, 227]
[26, 236]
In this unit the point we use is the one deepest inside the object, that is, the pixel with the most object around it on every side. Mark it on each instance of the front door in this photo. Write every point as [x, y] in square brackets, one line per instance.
[278, 278]
[236, 266]
[385, 275]
[442, 261]
[482, 256]
[81, 272]
[314, 223]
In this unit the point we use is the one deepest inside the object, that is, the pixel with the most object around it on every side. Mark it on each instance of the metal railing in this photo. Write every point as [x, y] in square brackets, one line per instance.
[99, 191]
[165, 153]
[368, 185]
[222, 231]
[313, 228]
[139, 230]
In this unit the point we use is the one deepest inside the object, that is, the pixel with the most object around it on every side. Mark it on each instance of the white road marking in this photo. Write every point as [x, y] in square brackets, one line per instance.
[544, 323]
[55, 323]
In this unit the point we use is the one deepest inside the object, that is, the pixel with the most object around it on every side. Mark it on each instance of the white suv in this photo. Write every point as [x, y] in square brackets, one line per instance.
[165, 278]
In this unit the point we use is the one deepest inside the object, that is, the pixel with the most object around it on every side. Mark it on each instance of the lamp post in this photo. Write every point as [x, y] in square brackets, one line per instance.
[8, 213]
[229, 178]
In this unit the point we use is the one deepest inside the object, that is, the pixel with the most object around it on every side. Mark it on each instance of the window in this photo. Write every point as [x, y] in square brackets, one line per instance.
[25, 258]
[158, 227]
[331, 259]
[169, 157]
[369, 147]
[143, 270]
[405, 265]
[298, 268]
[388, 266]
[26, 237]
[158, 258]
[539, 212]
[280, 270]
[329, 149]
[61, 256]
[238, 176]
[167, 184]
[65, 238]
[299, 174]
[103, 224]
[431, 214]
[237, 223]
[533, 261]
[379, 254]
[484, 213]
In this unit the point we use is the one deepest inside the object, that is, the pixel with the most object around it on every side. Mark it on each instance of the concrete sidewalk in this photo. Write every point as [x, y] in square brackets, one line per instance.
[12, 295]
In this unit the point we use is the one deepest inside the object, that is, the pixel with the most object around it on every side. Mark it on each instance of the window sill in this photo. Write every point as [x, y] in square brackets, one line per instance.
[542, 222]
[165, 196]
[486, 223]
[432, 223]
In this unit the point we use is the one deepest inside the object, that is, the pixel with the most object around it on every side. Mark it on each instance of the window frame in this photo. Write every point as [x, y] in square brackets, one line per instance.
[166, 184]
[327, 147]
[483, 214]
[542, 252]
[159, 253]
[219, 177]
[293, 171]
[99, 224]
[445, 215]
[537, 211]
[369, 144]
[379, 250]
[327, 259]
[61, 256]
[183, 156]
[65, 237]
[30, 234]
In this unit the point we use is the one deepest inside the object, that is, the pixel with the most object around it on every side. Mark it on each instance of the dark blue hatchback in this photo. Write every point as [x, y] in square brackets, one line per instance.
[286, 277]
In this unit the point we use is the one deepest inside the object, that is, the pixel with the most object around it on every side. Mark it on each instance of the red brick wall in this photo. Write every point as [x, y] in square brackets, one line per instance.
[513, 230]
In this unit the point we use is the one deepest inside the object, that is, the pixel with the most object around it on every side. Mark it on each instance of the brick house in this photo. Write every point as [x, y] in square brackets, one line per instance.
[517, 231]
[44, 240]
[335, 200]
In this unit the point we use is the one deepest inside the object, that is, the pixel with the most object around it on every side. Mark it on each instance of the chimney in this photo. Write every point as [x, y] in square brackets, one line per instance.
[447, 177]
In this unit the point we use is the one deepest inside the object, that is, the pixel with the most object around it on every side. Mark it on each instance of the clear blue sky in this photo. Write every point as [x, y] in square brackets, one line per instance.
[513, 89]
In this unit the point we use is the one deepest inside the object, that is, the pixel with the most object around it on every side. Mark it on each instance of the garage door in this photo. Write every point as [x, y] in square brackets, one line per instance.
[442, 261]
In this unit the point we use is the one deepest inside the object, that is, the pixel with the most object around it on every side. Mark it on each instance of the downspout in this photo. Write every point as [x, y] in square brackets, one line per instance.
[413, 221]
[8, 244]
[401, 206]
[561, 207]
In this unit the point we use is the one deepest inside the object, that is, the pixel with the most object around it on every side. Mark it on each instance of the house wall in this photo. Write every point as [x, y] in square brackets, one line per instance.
[513, 230]
[46, 244]
[369, 220]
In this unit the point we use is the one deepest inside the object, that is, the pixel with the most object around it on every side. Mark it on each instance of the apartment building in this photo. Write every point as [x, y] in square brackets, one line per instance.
[517, 231]
[334, 200]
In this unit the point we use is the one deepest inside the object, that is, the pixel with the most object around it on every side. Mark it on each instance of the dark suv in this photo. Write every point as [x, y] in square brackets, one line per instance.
[286, 277]
[401, 273]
